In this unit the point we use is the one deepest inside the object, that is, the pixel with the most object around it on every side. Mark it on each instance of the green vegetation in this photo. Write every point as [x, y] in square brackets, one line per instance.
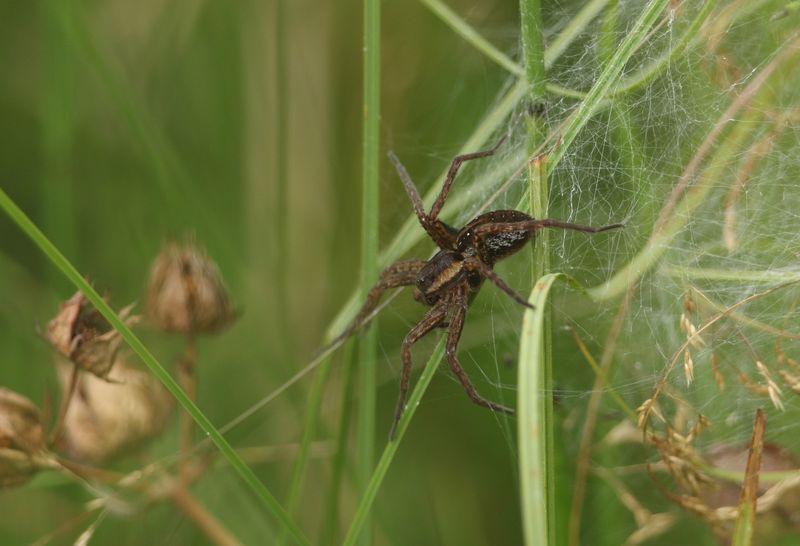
[260, 130]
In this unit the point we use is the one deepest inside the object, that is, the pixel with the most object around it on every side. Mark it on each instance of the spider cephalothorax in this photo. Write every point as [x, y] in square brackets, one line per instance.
[456, 272]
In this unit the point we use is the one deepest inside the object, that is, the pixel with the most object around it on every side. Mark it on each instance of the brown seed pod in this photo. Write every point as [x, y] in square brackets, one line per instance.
[185, 291]
[80, 333]
[109, 418]
[21, 438]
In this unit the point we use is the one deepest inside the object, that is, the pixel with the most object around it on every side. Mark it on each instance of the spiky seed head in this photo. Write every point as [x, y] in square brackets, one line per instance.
[80, 333]
[185, 292]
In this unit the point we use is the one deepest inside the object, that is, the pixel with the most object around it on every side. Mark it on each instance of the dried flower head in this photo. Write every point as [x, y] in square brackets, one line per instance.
[80, 333]
[108, 418]
[21, 438]
[185, 292]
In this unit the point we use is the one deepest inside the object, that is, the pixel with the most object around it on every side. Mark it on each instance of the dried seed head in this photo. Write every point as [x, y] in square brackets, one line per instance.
[21, 438]
[773, 390]
[688, 366]
[185, 292]
[80, 333]
[109, 418]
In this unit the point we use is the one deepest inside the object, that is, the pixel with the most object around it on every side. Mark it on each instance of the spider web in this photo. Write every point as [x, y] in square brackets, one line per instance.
[728, 270]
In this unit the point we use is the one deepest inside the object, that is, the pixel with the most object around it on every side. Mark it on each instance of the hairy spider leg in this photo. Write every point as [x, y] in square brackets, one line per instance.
[533, 225]
[442, 234]
[453, 336]
[396, 275]
[453, 171]
[431, 320]
[474, 264]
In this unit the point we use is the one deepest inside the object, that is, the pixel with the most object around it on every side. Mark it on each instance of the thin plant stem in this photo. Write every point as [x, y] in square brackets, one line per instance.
[58, 428]
[203, 519]
[188, 382]
[532, 28]
[368, 344]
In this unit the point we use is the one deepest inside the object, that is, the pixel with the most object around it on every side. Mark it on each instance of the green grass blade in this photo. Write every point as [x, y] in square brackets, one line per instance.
[460, 27]
[534, 418]
[368, 498]
[368, 344]
[530, 13]
[66, 267]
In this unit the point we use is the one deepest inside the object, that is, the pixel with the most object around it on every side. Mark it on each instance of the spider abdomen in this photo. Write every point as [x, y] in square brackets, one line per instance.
[445, 269]
[492, 247]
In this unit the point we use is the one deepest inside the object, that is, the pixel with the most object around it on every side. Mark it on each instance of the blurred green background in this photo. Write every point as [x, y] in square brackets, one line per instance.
[123, 124]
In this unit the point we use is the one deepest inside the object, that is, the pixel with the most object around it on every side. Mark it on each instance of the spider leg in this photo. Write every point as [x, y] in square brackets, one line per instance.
[453, 336]
[431, 320]
[533, 225]
[453, 171]
[442, 234]
[398, 274]
[474, 264]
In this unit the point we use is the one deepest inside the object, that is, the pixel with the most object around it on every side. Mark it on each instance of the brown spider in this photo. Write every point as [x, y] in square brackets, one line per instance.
[448, 281]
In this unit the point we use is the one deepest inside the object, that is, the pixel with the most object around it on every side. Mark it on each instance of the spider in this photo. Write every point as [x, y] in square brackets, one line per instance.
[452, 277]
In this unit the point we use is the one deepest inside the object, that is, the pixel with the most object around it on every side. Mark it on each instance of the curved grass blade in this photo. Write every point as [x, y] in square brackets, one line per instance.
[59, 260]
[534, 418]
